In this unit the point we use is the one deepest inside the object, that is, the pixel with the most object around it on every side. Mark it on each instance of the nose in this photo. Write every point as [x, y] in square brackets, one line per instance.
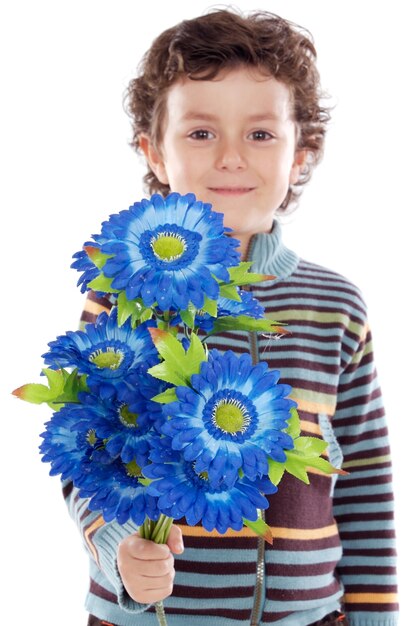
[230, 155]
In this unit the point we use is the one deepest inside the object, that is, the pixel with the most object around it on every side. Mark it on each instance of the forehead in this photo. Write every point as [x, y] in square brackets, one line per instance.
[242, 92]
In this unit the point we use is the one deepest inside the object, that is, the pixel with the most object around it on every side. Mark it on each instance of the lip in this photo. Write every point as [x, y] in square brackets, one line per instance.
[231, 191]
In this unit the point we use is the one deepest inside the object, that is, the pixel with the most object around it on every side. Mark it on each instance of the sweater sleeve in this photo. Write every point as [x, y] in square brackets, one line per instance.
[363, 500]
[101, 541]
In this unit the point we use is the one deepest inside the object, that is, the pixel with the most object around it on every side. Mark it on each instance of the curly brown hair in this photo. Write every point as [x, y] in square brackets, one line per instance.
[223, 39]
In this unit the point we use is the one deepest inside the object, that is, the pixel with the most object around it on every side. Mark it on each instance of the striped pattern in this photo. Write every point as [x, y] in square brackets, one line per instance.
[333, 539]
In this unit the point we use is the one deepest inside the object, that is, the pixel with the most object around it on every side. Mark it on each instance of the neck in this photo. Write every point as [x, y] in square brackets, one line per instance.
[244, 245]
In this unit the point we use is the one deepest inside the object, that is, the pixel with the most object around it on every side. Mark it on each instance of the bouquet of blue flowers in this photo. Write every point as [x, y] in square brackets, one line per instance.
[149, 423]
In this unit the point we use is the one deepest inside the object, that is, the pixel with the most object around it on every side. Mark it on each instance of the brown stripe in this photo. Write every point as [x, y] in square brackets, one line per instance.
[102, 593]
[220, 612]
[382, 607]
[368, 454]
[366, 499]
[201, 593]
[384, 479]
[301, 595]
[365, 517]
[291, 346]
[225, 568]
[67, 490]
[356, 570]
[269, 616]
[292, 570]
[360, 590]
[370, 534]
[372, 552]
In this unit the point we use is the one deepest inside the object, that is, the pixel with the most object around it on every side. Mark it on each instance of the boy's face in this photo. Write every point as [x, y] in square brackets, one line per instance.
[232, 142]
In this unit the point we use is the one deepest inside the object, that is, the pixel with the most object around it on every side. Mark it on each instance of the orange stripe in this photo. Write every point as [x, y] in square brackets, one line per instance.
[94, 307]
[310, 427]
[304, 534]
[371, 598]
[88, 531]
[313, 407]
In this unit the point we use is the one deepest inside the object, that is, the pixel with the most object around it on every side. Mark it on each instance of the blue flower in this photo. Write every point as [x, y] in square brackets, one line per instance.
[68, 450]
[84, 264]
[120, 491]
[170, 251]
[185, 492]
[127, 433]
[249, 305]
[104, 351]
[231, 419]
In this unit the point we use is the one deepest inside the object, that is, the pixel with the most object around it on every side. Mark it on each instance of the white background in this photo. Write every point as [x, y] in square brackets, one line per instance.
[66, 165]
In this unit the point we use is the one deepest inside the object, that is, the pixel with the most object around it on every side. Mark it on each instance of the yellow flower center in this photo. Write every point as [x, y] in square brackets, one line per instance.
[108, 359]
[135, 471]
[168, 247]
[91, 437]
[231, 416]
[128, 418]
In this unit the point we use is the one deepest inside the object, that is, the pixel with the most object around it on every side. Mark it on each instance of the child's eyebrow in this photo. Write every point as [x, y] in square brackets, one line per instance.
[209, 117]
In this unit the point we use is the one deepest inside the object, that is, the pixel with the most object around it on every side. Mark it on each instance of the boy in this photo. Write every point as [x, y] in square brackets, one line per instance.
[228, 107]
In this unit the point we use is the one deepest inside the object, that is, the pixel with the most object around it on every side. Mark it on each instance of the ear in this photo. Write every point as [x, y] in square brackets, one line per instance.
[298, 165]
[154, 159]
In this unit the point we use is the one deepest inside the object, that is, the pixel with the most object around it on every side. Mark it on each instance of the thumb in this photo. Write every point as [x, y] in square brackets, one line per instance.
[175, 541]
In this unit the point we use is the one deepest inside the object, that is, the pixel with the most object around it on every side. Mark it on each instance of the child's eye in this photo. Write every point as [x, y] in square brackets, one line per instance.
[201, 134]
[261, 135]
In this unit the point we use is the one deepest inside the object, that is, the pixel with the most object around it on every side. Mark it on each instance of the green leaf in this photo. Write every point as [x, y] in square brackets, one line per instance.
[56, 380]
[293, 428]
[166, 396]
[74, 384]
[240, 274]
[245, 322]
[310, 446]
[126, 309]
[210, 306]
[178, 365]
[169, 348]
[230, 291]
[276, 471]
[34, 393]
[306, 454]
[102, 283]
[147, 314]
[96, 256]
[188, 316]
[163, 371]
[325, 466]
[296, 466]
[260, 528]
[195, 355]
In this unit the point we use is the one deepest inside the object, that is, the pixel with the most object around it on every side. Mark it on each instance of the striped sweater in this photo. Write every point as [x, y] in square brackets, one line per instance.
[333, 539]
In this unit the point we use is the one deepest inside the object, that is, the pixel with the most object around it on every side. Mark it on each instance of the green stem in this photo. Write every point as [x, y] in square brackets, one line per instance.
[162, 528]
[158, 532]
[160, 612]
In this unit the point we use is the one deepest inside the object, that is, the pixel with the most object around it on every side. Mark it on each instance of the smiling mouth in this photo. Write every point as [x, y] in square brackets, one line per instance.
[231, 191]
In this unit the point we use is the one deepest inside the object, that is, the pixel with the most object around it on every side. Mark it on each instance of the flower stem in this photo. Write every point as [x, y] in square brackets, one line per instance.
[162, 528]
[158, 532]
[160, 612]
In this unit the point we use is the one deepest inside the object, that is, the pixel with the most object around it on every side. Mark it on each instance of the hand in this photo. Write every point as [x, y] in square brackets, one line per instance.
[147, 568]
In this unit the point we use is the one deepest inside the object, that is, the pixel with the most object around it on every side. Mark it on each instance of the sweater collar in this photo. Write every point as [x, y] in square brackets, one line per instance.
[269, 255]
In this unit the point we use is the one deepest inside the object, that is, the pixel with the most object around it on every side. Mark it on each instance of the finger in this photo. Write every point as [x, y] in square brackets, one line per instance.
[143, 549]
[151, 569]
[175, 540]
[155, 595]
